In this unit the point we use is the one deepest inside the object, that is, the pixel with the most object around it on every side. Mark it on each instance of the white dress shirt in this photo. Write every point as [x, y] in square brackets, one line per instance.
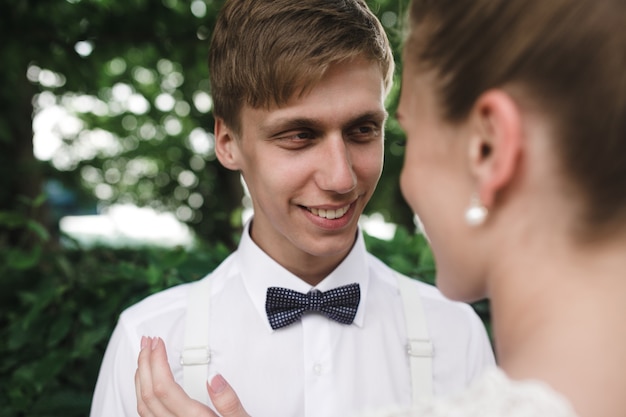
[313, 368]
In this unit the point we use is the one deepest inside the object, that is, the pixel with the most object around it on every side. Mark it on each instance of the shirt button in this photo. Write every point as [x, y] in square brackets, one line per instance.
[317, 368]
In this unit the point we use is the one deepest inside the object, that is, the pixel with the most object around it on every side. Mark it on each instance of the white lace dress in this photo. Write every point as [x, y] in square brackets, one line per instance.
[493, 395]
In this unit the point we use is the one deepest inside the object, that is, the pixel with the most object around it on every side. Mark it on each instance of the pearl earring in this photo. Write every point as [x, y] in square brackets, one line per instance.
[476, 213]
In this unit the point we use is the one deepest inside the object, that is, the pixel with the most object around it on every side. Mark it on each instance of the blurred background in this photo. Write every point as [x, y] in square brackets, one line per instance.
[109, 185]
[106, 104]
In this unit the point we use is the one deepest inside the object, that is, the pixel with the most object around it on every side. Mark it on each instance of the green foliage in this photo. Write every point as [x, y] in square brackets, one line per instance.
[127, 75]
[21, 243]
[407, 253]
[57, 314]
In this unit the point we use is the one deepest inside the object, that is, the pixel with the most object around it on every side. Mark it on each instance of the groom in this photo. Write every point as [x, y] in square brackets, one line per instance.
[299, 88]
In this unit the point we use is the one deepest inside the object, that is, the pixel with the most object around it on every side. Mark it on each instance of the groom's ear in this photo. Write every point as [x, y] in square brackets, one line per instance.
[227, 145]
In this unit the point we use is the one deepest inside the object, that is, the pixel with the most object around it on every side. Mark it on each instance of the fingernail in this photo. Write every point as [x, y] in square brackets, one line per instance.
[217, 383]
[144, 342]
[155, 343]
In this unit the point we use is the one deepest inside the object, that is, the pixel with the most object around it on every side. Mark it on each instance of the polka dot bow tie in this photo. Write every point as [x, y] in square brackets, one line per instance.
[285, 306]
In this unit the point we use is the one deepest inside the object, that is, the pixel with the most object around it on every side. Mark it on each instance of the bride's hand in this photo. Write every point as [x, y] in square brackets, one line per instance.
[158, 394]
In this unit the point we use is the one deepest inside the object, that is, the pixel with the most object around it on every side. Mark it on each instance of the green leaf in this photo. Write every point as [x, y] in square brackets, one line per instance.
[59, 329]
[39, 200]
[11, 219]
[38, 229]
[23, 259]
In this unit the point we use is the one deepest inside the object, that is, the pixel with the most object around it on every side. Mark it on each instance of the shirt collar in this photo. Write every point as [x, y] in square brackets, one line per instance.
[259, 272]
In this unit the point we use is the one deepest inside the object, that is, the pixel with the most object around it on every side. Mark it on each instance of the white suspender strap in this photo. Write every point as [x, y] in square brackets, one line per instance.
[196, 354]
[419, 345]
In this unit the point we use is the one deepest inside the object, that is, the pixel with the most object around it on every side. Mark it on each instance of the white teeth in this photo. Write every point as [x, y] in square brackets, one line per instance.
[330, 214]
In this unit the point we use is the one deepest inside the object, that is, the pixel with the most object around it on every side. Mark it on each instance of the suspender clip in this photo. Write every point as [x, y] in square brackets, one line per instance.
[420, 348]
[200, 355]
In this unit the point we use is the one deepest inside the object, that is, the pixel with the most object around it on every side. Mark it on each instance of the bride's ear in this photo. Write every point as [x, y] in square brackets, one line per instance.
[495, 144]
[226, 145]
